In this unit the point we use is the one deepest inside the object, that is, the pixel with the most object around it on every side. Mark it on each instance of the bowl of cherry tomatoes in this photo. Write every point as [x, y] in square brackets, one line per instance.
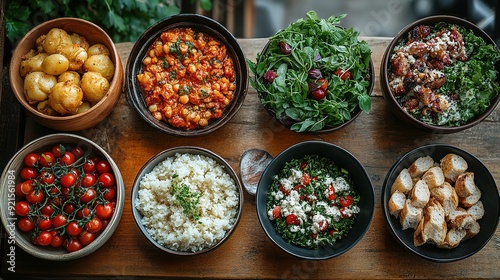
[62, 197]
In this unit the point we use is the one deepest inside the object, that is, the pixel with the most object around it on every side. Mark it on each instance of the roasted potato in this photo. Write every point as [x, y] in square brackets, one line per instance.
[37, 86]
[94, 86]
[65, 98]
[55, 64]
[100, 63]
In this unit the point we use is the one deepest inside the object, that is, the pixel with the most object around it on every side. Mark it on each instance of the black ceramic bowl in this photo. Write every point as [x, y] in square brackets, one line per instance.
[394, 105]
[201, 24]
[289, 122]
[160, 157]
[490, 199]
[361, 184]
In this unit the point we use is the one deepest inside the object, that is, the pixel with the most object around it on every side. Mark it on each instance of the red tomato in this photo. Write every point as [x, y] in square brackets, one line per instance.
[104, 211]
[69, 208]
[318, 94]
[277, 212]
[332, 232]
[44, 238]
[25, 224]
[107, 180]
[94, 225]
[67, 158]
[68, 180]
[109, 193]
[343, 74]
[31, 159]
[88, 195]
[22, 208]
[103, 166]
[24, 188]
[306, 179]
[89, 166]
[86, 237]
[46, 177]
[88, 180]
[35, 196]
[58, 150]
[57, 240]
[323, 225]
[44, 222]
[78, 152]
[345, 213]
[330, 193]
[323, 83]
[84, 212]
[345, 201]
[283, 190]
[292, 219]
[59, 220]
[47, 159]
[73, 228]
[28, 173]
[73, 245]
[47, 209]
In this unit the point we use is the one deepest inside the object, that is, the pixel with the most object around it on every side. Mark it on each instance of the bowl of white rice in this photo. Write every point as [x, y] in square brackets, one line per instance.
[187, 200]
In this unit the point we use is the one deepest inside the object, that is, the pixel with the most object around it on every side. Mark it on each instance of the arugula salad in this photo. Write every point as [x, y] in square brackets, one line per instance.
[444, 74]
[311, 202]
[313, 74]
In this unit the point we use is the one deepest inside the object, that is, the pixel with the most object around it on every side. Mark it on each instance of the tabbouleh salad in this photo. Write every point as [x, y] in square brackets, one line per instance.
[444, 74]
[311, 202]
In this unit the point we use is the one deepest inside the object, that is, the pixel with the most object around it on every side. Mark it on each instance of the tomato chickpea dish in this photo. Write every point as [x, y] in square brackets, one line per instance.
[443, 74]
[187, 79]
[311, 202]
[66, 198]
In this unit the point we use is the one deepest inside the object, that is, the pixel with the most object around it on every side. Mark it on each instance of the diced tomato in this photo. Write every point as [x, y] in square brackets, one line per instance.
[323, 225]
[345, 201]
[292, 219]
[277, 212]
[306, 179]
[303, 165]
[345, 214]
[330, 193]
[283, 190]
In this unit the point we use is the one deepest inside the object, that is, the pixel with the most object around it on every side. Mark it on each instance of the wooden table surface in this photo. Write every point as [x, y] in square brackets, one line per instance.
[377, 139]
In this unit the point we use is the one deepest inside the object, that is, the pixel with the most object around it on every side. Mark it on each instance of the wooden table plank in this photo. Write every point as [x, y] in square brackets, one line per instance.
[377, 139]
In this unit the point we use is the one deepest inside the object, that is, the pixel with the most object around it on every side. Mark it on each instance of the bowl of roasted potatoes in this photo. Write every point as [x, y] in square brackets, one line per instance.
[67, 74]
[441, 203]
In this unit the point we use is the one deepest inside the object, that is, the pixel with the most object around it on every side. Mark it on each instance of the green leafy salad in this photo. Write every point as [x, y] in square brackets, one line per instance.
[444, 74]
[311, 202]
[314, 74]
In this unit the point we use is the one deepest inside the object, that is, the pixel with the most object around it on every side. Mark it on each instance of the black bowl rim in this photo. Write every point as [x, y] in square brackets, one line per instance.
[384, 81]
[354, 115]
[115, 219]
[296, 251]
[394, 227]
[197, 22]
[152, 162]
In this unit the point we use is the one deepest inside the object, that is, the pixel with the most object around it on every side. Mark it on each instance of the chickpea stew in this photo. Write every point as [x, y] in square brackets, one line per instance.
[187, 78]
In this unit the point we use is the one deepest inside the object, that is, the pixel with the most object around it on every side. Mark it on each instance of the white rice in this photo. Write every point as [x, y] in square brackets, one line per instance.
[166, 222]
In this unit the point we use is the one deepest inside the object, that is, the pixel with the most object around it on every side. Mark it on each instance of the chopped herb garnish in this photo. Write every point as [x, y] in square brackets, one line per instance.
[184, 197]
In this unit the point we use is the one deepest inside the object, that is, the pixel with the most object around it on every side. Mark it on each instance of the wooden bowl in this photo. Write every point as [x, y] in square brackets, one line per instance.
[199, 23]
[11, 177]
[395, 106]
[94, 34]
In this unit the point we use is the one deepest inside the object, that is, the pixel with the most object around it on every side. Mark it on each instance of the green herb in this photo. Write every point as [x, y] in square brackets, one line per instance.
[315, 44]
[185, 89]
[164, 63]
[187, 199]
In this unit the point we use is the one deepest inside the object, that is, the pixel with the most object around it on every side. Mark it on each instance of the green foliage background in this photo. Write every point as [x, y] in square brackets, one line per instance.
[123, 20]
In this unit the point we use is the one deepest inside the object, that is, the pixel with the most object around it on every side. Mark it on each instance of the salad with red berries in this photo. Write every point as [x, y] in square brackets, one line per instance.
[311, 202]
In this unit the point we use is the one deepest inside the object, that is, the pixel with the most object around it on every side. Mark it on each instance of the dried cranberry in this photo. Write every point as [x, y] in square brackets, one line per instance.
[315, 74]
[285, 48]
[269, 76]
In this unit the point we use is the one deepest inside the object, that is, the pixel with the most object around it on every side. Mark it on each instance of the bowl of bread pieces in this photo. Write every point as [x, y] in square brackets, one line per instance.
[441, 203]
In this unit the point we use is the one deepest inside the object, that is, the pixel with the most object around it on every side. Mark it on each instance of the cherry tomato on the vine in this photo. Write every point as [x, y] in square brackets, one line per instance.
[107, 180]
[35, 196]
[88, 180]
[31, 159]
[103, 166]
[104, 211]
[88, 195]
[73, 245]
[44, 238]
[67, 158]
[26, 224]
[22, 208]
[73, 229]
[28, 173]
[68, 180]
[47, 159]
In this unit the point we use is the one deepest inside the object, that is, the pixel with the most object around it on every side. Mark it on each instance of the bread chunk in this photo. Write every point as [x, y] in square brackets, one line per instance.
[434, 177]
[396, 203]
[410, 215]
[472, 231]
[420, 194]
[403, 182]
[447, 196]
[471, 199]
[465, 185]
[434, 228]
[420, 166]
[453, 165]
[453, 238]
[476, 210]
